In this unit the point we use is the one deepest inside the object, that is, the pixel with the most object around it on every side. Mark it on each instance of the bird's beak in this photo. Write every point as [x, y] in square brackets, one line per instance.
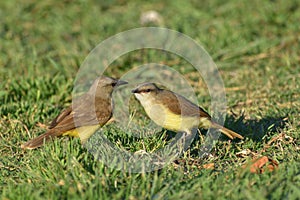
[135, 90]
[121, 82]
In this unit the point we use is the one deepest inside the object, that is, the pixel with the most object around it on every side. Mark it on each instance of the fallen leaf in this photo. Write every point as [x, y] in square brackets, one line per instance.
[272, 166]
[209, 166]
[259, 165]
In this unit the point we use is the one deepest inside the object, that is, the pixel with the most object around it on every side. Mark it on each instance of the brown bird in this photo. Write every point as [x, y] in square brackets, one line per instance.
[174, 112]
[89, 112]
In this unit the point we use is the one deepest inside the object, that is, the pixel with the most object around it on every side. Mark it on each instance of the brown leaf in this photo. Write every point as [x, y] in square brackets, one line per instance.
[272, 166]
[209, 166]
[259, 165]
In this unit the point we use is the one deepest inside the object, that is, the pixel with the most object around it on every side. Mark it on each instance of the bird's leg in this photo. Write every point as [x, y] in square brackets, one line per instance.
[184, 138]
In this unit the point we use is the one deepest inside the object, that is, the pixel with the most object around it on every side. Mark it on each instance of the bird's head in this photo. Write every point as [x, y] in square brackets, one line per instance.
[105, 85]
[146, 91]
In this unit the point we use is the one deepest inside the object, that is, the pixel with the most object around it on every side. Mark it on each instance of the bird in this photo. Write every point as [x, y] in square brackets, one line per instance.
[89, 112]
[175, 112]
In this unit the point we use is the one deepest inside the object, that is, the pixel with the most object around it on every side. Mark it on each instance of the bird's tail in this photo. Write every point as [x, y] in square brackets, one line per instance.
[231, 134]
[39, 141]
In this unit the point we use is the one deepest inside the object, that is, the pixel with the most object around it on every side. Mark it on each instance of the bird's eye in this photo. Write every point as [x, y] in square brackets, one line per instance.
[148, 90]
[114, 84]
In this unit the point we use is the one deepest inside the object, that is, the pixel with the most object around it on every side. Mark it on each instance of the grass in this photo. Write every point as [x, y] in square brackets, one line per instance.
[255, 46]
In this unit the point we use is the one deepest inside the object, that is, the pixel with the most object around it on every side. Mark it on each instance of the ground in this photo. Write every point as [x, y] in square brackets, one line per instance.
[255, 46]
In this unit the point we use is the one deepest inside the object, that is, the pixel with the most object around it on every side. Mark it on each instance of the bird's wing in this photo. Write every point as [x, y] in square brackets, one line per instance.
[83, 113]
[181, 106]
[87, 113]
[60, 117]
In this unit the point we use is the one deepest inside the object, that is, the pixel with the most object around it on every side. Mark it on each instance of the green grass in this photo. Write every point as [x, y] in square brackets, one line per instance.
[255, 46]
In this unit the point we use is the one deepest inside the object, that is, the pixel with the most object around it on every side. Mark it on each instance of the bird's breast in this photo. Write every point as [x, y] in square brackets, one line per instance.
[162, 116]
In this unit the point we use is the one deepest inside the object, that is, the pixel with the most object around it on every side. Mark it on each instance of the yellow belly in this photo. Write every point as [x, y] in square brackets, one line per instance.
[167, 119]
[84, 132]
[178, 122]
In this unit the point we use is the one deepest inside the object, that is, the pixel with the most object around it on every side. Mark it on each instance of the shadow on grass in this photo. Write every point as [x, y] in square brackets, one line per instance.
[255, 129]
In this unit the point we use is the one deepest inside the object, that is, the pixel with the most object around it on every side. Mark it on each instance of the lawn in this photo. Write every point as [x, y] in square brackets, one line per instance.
[255, 46]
